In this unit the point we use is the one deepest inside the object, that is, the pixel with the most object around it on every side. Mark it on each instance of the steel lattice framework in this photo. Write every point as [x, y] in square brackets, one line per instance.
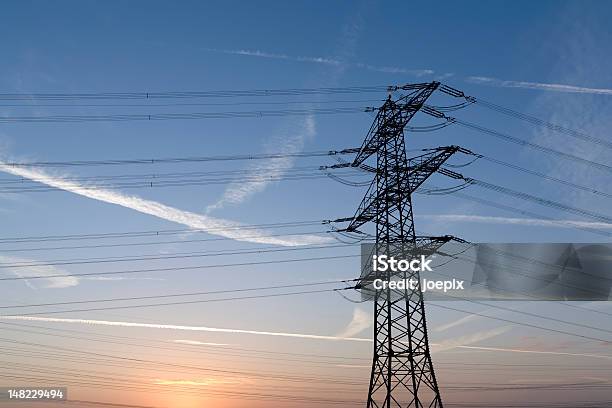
[402, 370]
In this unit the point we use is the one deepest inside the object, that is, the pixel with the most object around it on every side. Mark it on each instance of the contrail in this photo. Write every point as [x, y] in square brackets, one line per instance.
[442, 344]
[200, 343]
[325, 61]
[183, 328]
[287, 143]
[215, 226]
[456, 323]
[263, 54]
[557, 353]
[482, 80]
[519, 221]
[463, 341]
[538, 85]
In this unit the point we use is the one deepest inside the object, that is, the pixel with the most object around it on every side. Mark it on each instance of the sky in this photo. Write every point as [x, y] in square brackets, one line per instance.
[549, 59]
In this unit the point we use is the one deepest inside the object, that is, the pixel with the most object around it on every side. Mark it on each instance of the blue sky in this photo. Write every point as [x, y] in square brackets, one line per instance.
[547, 58]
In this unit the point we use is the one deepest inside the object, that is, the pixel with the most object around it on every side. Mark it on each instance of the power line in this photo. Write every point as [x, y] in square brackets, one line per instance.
[540, 200]
[193, 357]
[535, 326]
[161, 175]
[154, 233]
[469, 100]
[228, 175]
[268, 354]
[214, 292]
[489, 316]
[523, 142]
[525, 212]
[33, 104]
[192, 159]
[108, 404]
[178, 268]
[223, 350]
[105, 385]
[174, 183]
[160, 363]
[180, 241]
[178, 303]
[516, 140]
[197, 254]
[457, 387]
[515, 272]
[248, 297]
[457, 256]
[180, 116]
[48, 312]
[189, 94]
[544, 176]
[508, 309]
[540, 122]
[454, 387]
[463, 298]
[472, 364]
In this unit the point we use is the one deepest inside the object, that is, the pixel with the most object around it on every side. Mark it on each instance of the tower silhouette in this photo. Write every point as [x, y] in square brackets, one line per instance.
[402, 371]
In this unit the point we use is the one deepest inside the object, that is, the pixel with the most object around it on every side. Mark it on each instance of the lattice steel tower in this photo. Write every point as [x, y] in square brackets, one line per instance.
[402, 371]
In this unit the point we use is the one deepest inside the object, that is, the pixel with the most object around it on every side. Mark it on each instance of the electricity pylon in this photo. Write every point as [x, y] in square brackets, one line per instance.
[402, 371]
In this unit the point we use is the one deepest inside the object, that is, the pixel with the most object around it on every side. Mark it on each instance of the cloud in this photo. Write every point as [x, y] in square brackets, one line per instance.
[361, 320]
[118, 278]
[198, 382]
[263, 172]
[542, 86]
[182, 328]
[38, 270]
[200, 343]
[533, 222]
[463, 341]
[578, 47]
[555, 353]
[214, 226]
[352, 366]
[456, 323]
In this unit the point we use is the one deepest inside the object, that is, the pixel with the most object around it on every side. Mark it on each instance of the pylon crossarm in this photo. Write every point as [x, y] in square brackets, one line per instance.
[410, 179]
[391, 119]
[423, 166]
[366, 210]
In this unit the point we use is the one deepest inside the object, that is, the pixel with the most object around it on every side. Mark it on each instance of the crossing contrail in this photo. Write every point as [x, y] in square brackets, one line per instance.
[541, 86]
[212, 225]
